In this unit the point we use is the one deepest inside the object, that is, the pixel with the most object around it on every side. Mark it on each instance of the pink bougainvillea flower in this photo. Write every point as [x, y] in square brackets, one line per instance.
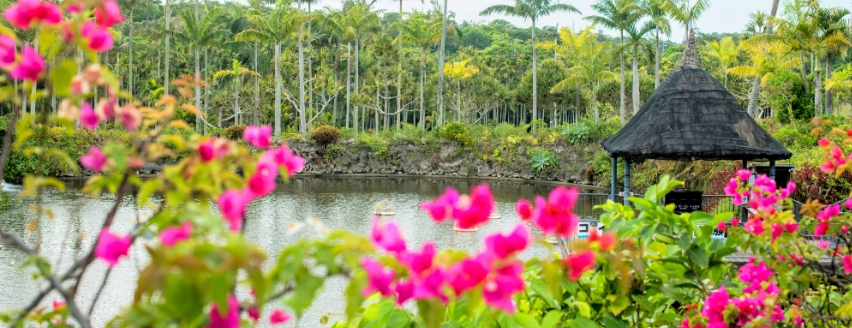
[230, 318]
[111, 247]
[844, 229]
[722, 226]
[430, 286]
[285, 157]
[258, 136]
[379, 279]
[828, 167]
[755, 226]
[786, 192]
[94, 160]
[735, 222]
[467, 274]
[105, 108]
[253, 313]
[607, 241]
[731, 188]
[130, 118]
[88, 118]
[97, 38]
[74, 8]
[278, 317]
[524, 209]
[743, 175]
[419, 262]
[828, 213]
[505, 246]
[499, 290]
[752, 273]
[847, 264]
[26, 13]
[387, 237]
[715, 305]
[262, 182]
[8, 52]
[776, 229]
[474, 210]
[791, 226]
[108, 14]
[555, 216]
[797, 259]
[821, 229]
[824, 142]
[685, 324]
[823, 244]
[173, 235]
[579, 263]
[441, 208]
[404, 291]
[848, 203]
[30, 66]
[207, 151]
[232, 204]
[58, 304]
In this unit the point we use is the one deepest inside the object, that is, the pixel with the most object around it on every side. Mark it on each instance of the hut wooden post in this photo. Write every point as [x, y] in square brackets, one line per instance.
[772, 170]
[614, 179]
[626, 180]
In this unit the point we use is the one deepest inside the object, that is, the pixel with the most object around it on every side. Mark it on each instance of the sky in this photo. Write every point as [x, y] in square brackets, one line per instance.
[722, 16]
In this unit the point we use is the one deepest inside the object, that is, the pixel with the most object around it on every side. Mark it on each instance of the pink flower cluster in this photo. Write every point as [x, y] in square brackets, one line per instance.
[555, 215]
[758, 304]
[495, 269]
[824, 216]
[111, 247]
[230, 318]
[835, 157]
[232, 203]
[763, 196]
[468, 211]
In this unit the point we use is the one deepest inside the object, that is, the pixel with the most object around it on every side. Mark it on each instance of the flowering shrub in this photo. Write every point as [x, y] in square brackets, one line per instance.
[650, 268]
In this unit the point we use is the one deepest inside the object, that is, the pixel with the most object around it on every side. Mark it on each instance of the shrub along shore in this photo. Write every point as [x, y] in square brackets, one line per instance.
[564, 154]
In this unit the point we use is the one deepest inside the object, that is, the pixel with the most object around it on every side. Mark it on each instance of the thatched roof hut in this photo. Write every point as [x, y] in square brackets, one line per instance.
[691, 116]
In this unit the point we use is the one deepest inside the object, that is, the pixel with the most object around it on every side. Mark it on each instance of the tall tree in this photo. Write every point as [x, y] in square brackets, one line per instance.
[199, 33]
[590, 59]
[235, 75]
[422, 31]
[658, 14]
[276, 27]
[441, 51]
[724, 51]
[618, 15]
[532, 10]
[635, 39]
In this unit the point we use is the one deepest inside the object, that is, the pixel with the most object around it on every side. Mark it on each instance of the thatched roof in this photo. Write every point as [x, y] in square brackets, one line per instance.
[692, 116]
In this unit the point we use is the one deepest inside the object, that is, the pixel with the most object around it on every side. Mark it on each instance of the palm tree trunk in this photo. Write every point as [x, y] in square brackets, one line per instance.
[277, 89]
[829, 106]
[256, 86]
[130, 58]
[621, 95]
[166, 71]
[237, 100]
[197, 88]
[206, 88]
[302, 125]
[399, 73]
[635, 81]
[357, 90]
[818, 92]
[754, 96]
[804, 75]
[336, 83]
[595, 103]
[439, 122]
[657, 64]
[348, 81]
[422, 76]
[535, 77]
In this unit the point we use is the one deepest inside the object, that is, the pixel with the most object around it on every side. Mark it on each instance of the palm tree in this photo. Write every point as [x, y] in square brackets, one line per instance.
[658, 13]
[833, 21]
[276, 27]
[199, 33]
[532, 10]
[167, 53]
[635, 40]
[399, 67]
[235, 74]
[420, 30]
[618, 15]
[725, 51]
[441, 51]
[590, 59]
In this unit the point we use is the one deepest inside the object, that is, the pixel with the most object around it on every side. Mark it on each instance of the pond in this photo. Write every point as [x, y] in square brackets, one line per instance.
[340, 203]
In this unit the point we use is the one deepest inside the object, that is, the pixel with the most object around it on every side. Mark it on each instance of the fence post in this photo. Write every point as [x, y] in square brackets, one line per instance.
[614, 178]
[626, 180]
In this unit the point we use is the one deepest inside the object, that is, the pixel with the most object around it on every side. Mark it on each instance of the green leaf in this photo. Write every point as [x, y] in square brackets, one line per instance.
[551, 319]
[619, 304]
[581, 322]
[613, 322]
[61, 76]
[539, 286]
[525, 320]
[584, 308]
[307, 288]
[699, 256]
[354, 297]
[146, 190]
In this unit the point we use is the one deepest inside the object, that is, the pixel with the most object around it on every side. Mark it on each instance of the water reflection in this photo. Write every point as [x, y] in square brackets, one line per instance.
[341, 203]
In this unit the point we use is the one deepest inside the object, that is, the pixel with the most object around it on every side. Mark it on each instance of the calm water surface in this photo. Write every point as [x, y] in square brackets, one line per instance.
[341, 203]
